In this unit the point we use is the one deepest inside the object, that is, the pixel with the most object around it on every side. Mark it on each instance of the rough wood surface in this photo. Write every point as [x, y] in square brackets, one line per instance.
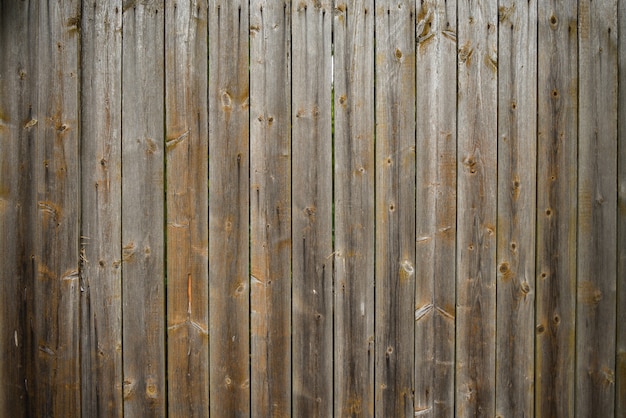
[186, 150]
[229, 289]
[395, 208]
[354, 207]
[16, 82]
[597, 209]
[270, 206]
[55, 320]
[477, 194]
[101, 204]
[517, 156]
[143, 223]
[557, 138]
[436, 133]
[312, 191]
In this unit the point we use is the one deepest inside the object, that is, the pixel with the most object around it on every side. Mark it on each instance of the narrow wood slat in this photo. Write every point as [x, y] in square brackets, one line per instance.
[55, 384]
[312, 189]
[101, 204]
[270, 205]
[477, 194]
[517, 156]
[557, 135]
[620, 375]
[229, 209]
[395, 207]
[143, 209]
[16, 82]
[353, 74]
[187, 216]
[597, 209]
[435, 293]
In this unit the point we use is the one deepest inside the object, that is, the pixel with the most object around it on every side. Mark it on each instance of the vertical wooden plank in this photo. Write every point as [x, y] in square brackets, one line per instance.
[312, 302]
[353, 74]
[229, 208]
[101, 204]
[270, 190]
[557, 137]
[477, 194]
[517, 153]
[435, 293]
[395, 207]
[55, 387]
[16, 80]
[620, 378]
[187, 216]
[143, 209]
[597, 209]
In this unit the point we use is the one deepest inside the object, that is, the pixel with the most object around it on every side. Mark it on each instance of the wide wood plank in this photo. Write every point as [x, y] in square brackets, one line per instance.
[101, 205]
[312, 193]
[477, 194]
[229, 167]
[270, 206]
[16, 137]
[557, 137]
[395, 207]
[143, 209]
[353, 74]
[187, 216]
[517, 156]
[54, 386]
[597, 209]
[436, 133]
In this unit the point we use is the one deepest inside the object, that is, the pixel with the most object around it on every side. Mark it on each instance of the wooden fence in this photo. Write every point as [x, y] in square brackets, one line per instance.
[262, 208]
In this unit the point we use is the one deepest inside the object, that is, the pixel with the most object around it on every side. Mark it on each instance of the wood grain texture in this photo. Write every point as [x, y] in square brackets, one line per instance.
[395, 207]
[312, 192]
[270, 206]
[143, 209]
[55, 320]
[517, 170]
[436, 134]
[16, 83]
[353, 71]
[557, 137]
[101, 204]
[597, 209]
[187, 216]
[620, 375]
[229, 209]
[477, 197]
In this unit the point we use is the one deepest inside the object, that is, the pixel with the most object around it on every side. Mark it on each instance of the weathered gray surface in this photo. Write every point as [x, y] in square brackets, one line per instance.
[476, 206]
[517, 170]
[620, 366]
[395, 208]
[143, 261]
[101, 210]
[312, 193]
[436, 133]
[354, 207]
[597, 208]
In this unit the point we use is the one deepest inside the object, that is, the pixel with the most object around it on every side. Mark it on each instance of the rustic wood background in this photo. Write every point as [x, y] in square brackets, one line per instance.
[261, 208]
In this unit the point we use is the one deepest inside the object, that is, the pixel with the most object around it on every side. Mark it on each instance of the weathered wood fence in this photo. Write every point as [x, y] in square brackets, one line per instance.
[262, 208]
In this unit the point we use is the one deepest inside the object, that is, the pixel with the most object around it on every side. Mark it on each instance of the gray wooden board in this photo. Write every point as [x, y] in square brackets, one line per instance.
[270, 206]
[557, 136]
[517, 155]
[229, 285]
[101, 204]
[312, 192]
[436, 134]
[597, 209]
[395, 207]
[143, 223]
